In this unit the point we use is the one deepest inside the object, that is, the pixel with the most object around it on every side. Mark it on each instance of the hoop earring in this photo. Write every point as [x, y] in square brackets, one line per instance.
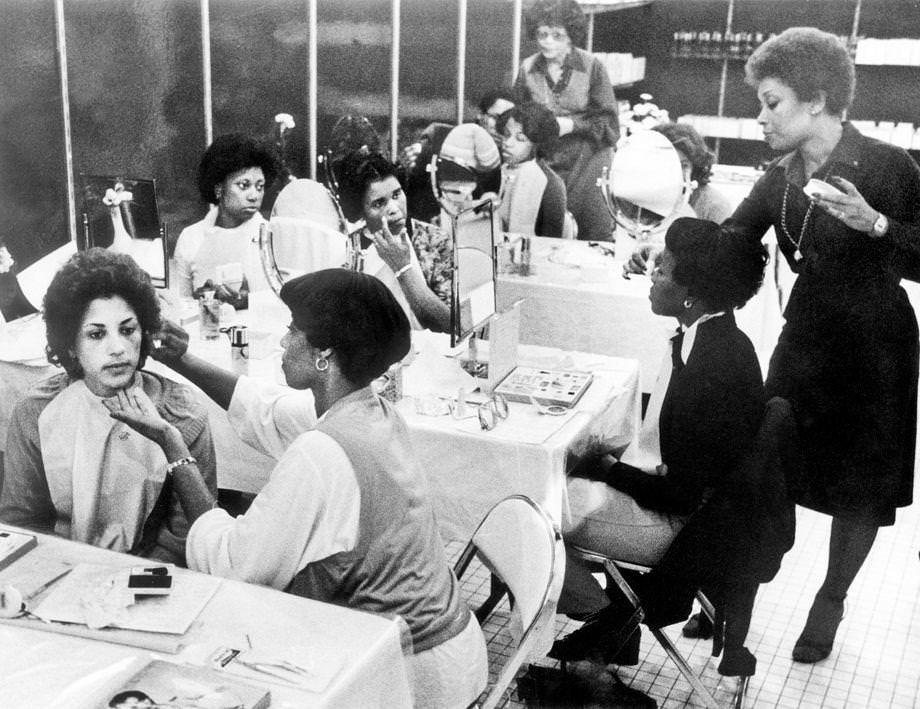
[218, 193]
[688, 303]
[321, 364]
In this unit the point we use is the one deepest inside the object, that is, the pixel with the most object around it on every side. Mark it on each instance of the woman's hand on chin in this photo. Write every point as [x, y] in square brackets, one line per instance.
[394, 249]
[134, 407]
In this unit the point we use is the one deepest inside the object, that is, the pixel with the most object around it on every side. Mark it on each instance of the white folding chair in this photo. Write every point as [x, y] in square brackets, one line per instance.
[522, 548]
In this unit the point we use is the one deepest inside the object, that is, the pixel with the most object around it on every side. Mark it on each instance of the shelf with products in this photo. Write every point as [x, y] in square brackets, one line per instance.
[903, 134]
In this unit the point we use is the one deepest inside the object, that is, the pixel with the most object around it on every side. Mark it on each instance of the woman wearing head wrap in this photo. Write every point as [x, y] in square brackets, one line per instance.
[345, 516]
[574, 85]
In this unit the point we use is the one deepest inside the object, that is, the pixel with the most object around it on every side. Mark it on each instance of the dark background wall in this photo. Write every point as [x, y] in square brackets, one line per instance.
[136, 96]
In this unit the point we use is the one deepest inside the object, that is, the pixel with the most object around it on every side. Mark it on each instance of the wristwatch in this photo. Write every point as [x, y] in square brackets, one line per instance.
[880, 228]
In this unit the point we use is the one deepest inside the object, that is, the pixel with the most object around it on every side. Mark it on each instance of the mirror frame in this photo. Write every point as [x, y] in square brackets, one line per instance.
[636, 230]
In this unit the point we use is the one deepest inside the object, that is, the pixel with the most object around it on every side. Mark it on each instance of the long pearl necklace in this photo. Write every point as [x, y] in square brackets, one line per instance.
[795, 242]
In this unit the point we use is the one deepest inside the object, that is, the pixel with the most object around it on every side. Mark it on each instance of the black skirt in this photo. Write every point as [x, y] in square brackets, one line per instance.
[848, 360]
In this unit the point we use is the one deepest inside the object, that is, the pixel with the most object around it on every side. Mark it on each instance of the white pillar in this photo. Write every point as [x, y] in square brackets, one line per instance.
[61, 42]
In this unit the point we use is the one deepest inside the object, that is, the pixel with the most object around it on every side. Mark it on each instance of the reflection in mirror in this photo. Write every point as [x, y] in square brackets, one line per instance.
[121, 214]
[644, 186]
[467, 166]
[473, 283]
[307, 232]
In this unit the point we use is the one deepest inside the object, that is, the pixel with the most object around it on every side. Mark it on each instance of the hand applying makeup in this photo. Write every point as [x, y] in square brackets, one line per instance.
[849, 206]
[394, 249]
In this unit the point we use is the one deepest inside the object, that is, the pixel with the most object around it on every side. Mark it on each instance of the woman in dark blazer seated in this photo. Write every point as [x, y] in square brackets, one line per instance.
[703, 414]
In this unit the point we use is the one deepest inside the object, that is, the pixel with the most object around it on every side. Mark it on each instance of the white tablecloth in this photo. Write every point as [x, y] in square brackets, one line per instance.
[47, 669]
[468, 469]
[576, 297]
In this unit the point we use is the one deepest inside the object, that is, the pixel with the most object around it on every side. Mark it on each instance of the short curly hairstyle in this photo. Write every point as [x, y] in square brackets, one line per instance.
[809, 61]
[538, 123]
[358, 170]
[558, 13]
[88, 275]
[354, 314]
[722, 269]
[231, 153]
[687, 140]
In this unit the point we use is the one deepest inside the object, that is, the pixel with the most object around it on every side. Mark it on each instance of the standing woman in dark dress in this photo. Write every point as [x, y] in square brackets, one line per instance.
[574, 85]
[848, 354]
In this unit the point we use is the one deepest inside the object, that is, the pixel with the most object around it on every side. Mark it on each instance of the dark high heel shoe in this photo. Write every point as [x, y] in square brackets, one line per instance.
[601, 638]
[697, 626]
[817, 639]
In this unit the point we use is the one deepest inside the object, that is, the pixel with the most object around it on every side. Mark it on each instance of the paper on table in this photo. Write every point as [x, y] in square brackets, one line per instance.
[298, 665]
[433, 373]
[92, 592]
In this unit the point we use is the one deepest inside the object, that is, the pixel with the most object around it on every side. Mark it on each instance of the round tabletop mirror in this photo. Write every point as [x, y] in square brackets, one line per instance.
[307, 232]
[644, 185]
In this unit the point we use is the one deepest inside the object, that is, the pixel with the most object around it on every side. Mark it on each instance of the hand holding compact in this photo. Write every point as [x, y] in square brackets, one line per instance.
[847, 205]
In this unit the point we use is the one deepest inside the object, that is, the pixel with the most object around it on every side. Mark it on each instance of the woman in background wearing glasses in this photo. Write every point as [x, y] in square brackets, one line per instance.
[574, 85]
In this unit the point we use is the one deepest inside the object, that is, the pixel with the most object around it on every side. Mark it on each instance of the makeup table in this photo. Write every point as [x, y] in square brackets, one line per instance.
[357, 657]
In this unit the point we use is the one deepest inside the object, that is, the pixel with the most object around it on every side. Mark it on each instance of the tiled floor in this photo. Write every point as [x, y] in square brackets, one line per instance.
[876, 659]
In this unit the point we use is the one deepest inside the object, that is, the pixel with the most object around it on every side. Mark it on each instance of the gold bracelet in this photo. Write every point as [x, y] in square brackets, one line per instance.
[403, 269]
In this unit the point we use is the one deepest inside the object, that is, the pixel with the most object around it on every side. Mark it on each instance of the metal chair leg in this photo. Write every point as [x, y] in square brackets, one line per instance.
[496, 590]
[706, 606]
[741, 693]
[685, 669]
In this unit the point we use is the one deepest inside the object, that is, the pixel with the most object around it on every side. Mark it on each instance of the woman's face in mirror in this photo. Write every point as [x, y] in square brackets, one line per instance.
[385, 200]
[108, 345]
[666, 295]
[554, 42]
[786, 120]
[516, 147]
[241, 195]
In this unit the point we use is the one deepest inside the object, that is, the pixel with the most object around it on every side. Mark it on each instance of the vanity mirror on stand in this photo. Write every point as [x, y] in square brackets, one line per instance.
[645, 187]
[306, 232]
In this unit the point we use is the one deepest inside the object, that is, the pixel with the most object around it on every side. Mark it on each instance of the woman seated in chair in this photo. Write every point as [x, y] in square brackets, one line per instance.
[345, 516]
[532, 195]
[704, 412]
[370, 190]
[223, 248]
[70, 469]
